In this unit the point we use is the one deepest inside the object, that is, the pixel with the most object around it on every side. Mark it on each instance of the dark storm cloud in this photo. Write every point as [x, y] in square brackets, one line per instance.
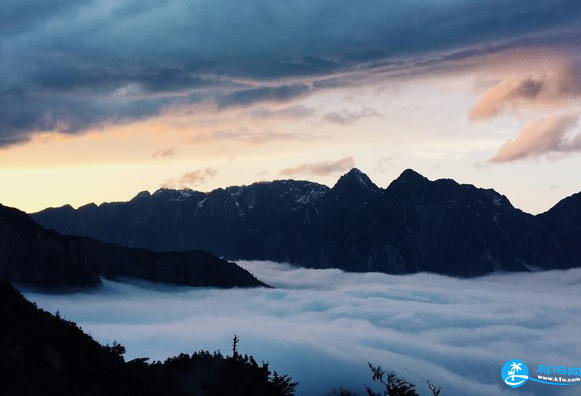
[17, 16]
[263, 94]
[72, 65]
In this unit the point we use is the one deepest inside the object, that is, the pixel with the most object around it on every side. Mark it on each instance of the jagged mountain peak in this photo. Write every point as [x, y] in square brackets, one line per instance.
[412, 185]
[410, 176]
[414, 224]
[355, 179]
[409, 183]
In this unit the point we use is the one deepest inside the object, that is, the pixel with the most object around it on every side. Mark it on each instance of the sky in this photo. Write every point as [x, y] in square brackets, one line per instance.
[322, 327]
[102, 99]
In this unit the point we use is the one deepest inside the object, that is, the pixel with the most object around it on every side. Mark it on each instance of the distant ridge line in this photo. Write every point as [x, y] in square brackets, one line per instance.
[412, 225]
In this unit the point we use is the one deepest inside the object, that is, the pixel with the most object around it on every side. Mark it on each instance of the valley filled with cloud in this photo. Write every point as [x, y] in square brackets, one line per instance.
[322, 327]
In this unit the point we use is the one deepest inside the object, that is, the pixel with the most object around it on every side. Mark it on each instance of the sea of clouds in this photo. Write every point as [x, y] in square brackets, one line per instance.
[322, 327]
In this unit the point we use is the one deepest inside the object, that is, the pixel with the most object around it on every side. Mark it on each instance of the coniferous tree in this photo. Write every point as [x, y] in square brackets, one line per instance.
[394, 385]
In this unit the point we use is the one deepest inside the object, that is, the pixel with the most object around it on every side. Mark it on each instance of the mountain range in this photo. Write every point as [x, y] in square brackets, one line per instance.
[412, 225]
[32, 255]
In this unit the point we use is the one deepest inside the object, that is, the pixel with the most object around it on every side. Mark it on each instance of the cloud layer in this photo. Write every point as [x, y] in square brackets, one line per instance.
[71, 66]
[552, 89]
[554, 93]
[321, 168]
[548, 136]
[323, 326]
[191, 179]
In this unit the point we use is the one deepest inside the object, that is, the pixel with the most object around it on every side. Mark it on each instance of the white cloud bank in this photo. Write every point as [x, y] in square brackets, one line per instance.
[322, 326]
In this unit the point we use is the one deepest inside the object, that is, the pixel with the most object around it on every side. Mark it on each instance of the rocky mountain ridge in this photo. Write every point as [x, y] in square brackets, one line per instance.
[412, 225]
[31, 254]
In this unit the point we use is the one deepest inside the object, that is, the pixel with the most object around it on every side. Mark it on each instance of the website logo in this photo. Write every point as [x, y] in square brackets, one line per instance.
[515, 373]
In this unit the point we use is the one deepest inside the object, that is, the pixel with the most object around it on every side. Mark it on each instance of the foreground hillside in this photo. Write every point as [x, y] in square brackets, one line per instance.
[41, 354]
[412, 225]
[33, 255]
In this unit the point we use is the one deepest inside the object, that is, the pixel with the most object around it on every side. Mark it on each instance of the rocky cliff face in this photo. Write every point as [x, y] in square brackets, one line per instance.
[451, 225]
[31, 254]
[412, 225]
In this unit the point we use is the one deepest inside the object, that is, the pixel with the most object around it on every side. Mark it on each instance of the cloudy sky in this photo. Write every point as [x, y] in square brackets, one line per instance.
[102, 99]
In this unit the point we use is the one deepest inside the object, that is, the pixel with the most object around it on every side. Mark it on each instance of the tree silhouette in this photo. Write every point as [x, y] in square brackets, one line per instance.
[235, 347]
[393, 385]
[435, 389]
[117, 351]
[41, 354]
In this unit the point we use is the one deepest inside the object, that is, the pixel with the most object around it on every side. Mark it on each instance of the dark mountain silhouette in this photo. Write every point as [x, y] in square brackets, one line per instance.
[44, 355]
[412, 225]
[31, 254]
[560, 247]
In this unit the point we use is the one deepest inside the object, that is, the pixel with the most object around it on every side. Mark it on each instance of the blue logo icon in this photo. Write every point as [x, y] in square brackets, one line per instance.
[515, 373]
